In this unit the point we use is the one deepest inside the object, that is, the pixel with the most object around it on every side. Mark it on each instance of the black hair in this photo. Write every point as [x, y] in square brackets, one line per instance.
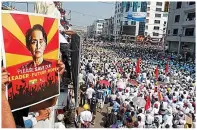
[139, 118]
[28, 36]
[167, 126]
[140, 110]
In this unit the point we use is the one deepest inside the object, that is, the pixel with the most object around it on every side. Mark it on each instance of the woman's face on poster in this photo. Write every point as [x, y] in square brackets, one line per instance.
[38, 44]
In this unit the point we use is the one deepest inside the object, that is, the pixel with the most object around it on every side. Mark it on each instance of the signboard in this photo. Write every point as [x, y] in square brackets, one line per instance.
[31, 51]
[166, 6]
[137, 16]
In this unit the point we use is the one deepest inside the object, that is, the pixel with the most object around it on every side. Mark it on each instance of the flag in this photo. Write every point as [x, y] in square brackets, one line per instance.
[34, 81]
[160, 97]
[167, 67]
[148, 103]
[138, 66]
[156, 73]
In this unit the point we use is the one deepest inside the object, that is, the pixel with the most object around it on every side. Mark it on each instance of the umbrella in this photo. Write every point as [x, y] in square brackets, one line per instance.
[139, 101]
[105, 82]
[133, 82]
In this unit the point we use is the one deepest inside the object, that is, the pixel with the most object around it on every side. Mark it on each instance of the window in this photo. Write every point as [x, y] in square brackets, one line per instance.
[146, 27]
[156, 27]
[164, 29]
[145, 33]
[127, 6]
[133, 22]
[143, 7]
[191, 16]
[157, 21]
[147, 20]
[158, 15]
[149, 3]
[168, 31]
[165, 15]
[159, 3]
[158, 9]
[126, 22]
[155, 34]
[148, 14]
[191, 3]
[189, 32]
[164, 22]
[99, 25]
[177, 18]
[175, 32]
[135, 6]
[178, 5]
[148, 9]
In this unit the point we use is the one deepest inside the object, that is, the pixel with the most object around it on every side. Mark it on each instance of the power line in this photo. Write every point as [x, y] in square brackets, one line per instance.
[85, 14]
[107, 3]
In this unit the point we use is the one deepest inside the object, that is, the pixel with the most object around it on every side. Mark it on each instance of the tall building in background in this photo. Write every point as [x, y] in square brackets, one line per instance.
[108, 29]
[156, 19]
[126, 30]
[98, 27]
[90, 31]
[181, 27]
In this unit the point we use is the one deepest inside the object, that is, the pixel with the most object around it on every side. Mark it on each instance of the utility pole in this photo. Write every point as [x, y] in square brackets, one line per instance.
[180, 35]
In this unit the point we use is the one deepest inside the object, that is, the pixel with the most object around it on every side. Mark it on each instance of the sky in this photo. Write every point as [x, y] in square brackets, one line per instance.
[82, 13]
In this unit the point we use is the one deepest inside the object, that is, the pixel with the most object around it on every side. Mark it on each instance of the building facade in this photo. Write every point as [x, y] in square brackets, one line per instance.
[90, 31]
[98, 28]
[121, 22]
[108, 29]
[156, 19]
[181, 27]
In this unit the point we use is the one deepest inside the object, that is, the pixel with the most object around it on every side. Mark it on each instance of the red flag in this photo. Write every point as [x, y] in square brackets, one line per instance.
[138, 66]
[148, 103]
[156, 73]
[160, 97]
[167, 67]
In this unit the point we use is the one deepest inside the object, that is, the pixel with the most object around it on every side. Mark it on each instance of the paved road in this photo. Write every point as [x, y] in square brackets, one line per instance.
[100, 117]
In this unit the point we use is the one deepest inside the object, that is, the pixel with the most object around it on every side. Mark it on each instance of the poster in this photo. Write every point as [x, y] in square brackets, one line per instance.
[31, 51]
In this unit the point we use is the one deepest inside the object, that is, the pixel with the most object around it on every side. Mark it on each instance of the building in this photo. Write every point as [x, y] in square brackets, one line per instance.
[122, 24]
[181, 27]
[156, 19]
[90, 31]
[108, 29]
[97, 28]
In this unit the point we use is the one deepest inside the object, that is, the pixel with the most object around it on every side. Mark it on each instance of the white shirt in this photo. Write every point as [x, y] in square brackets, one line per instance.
[81, 77]
[85, 116]
[113, 97]
[141, 124]
[89, 92]
[90, 77]
[142, 117]
[144, 75]
[150, 119]
[59, 125]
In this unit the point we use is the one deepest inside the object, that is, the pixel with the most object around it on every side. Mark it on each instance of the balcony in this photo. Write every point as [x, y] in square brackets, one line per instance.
[189, 22]
[189, 8]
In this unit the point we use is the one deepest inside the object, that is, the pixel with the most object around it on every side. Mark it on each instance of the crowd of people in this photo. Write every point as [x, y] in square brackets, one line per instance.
[139, 87]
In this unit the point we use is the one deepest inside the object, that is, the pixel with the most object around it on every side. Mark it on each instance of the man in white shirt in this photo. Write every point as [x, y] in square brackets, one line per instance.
[90, 77]
[89, 93]
[85, 117]
[143, 118]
